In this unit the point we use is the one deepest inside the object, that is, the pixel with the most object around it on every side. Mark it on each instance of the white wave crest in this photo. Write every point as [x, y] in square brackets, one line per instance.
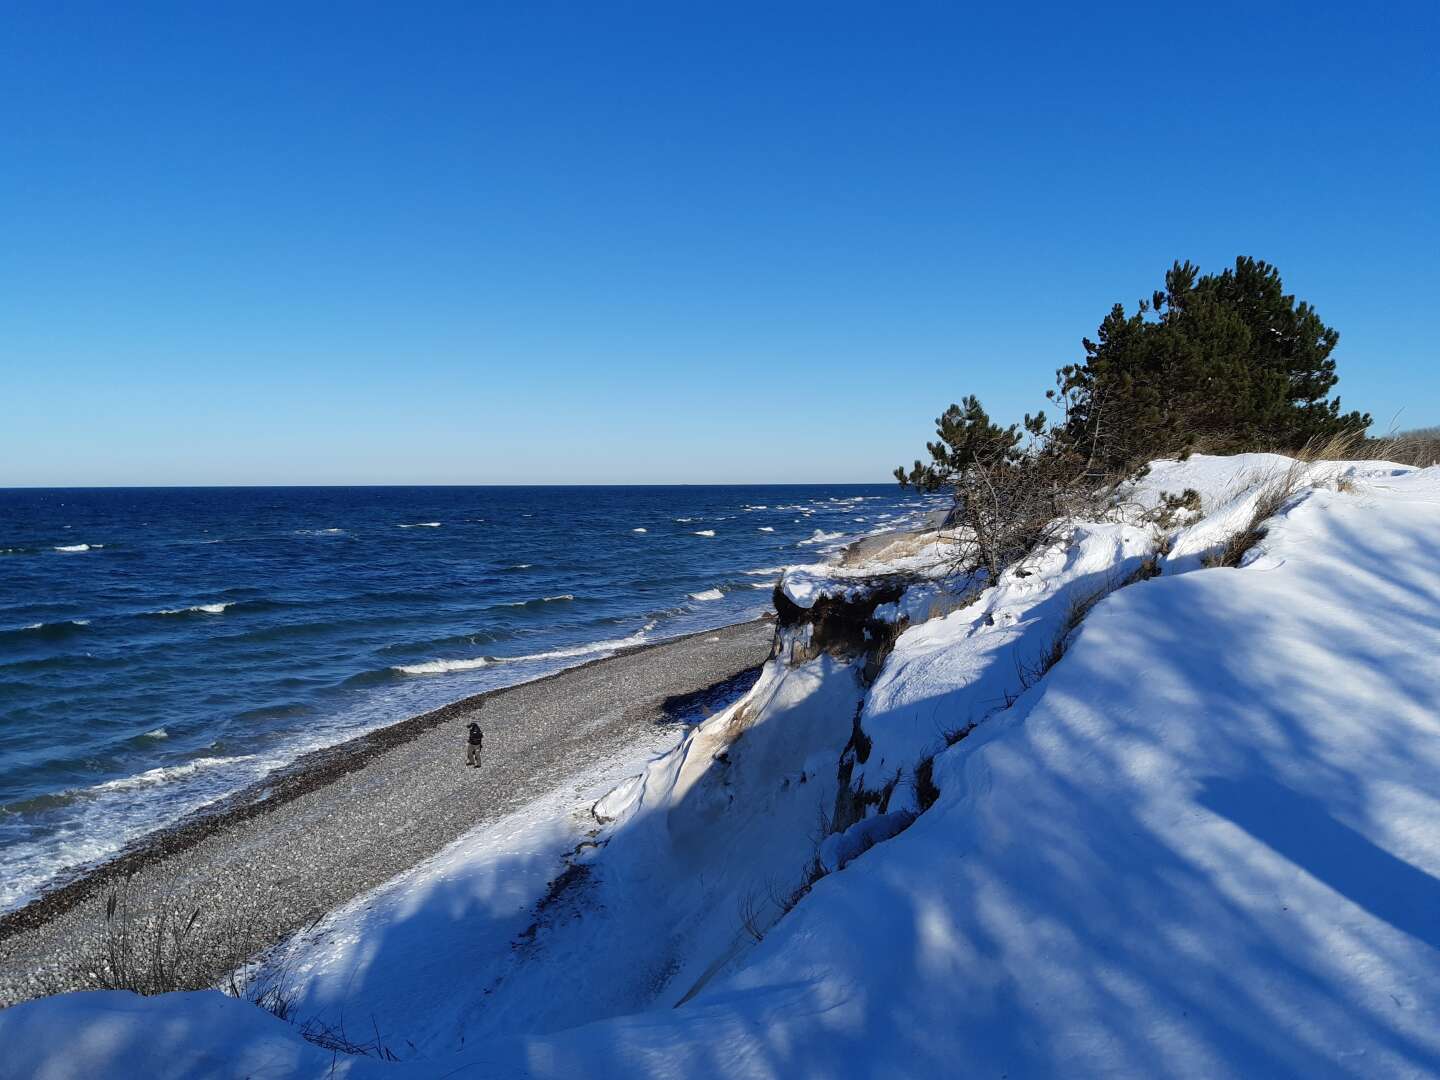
[764, 584]
[443, 667]
[77, 547]
[423, 525]
[708, 594]
[166, 773]
[637, 638]
[543, 600]
[822, 537]
[766, 528]
[766, 571]
[157, 733]
[198, 609]
[639, 530]
[704, 532]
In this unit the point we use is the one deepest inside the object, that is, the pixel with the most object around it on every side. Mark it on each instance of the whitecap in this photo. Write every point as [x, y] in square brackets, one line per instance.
[639, 530]
[766, 528]
[443, 667]
[423, 525]
[165, 773]
[157, 733]
[766, 571]
[764, 584]
[708, 594]
[614, 644]
[541, 600]
[77, 547]
[704, 532]
[821, 537]
[198, 609]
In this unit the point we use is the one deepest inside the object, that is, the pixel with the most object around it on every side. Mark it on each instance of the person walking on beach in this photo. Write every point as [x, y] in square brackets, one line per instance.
[474, 744]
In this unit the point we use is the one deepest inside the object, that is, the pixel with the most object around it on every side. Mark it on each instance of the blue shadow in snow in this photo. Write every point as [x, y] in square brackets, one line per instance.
[1302, 830]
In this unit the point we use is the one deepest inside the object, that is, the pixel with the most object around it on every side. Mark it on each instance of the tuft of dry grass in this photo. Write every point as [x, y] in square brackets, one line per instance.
[1271, 497]
[165, 937]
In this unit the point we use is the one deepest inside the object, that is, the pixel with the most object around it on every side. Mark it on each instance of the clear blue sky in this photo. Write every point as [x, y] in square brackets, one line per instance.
[531, 242]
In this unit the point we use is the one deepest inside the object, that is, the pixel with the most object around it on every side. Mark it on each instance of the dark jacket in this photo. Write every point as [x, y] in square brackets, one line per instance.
[477, 737]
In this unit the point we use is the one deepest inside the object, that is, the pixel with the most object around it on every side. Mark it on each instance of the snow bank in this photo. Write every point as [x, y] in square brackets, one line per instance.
[1205, 843]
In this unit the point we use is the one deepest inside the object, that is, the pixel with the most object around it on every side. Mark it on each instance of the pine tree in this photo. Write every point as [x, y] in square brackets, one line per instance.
[1226, 361]
[965, 435]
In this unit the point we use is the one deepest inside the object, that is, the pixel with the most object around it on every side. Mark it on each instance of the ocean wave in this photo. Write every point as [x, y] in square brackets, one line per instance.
[822, 537]
[423, 525]
[766, 571]
[704, 532]
[47, 629]
[708, 594]
[77, 547]
[539, 601]
[157, 733]
[612, 645]
[520, 566]
[18, 551]
[594, 648]
[164, 774]
[318, 532]
[766, 528]
[764, 584]
[639, 530]
[444, 667]
[198, 609]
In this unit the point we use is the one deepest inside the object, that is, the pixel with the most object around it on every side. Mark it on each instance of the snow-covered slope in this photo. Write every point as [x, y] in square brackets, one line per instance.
[1205, 843]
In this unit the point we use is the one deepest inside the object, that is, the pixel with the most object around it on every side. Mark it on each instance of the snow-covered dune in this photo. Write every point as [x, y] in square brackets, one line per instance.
[1197, 835]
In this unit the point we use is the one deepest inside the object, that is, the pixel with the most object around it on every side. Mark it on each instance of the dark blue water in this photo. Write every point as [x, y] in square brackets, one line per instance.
[160, 648]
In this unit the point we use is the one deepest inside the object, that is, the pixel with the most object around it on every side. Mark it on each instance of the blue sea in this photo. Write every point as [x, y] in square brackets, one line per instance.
[161, 648]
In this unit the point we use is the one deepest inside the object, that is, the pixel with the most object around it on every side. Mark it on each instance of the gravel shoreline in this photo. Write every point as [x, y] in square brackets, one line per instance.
[342, 820]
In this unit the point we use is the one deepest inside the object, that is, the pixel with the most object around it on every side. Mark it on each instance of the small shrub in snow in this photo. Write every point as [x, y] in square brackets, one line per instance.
[1176, 510]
